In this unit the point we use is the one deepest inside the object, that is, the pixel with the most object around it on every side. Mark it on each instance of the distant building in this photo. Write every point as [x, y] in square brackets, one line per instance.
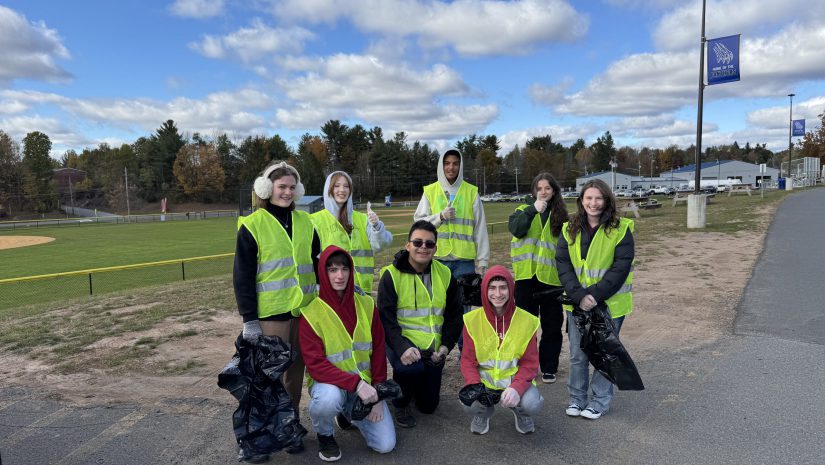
[747, 173]
[310, 203]
[622, 181]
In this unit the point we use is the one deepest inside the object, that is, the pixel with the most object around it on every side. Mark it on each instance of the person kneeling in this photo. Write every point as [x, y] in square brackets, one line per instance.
[342, 341]
[500, 352]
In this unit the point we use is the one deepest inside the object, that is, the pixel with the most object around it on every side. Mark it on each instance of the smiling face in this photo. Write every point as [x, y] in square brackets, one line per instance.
[498, 294]
[544, 191]
[452, 163]
[340, 189]
[593, 202]
[421, 256]
[283, 190]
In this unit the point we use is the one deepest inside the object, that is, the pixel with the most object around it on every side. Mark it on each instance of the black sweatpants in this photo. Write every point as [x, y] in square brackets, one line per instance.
[551, 314]
[419, 381]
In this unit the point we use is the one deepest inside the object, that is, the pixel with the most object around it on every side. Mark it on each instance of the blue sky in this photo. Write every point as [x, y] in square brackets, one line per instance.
[95, 71]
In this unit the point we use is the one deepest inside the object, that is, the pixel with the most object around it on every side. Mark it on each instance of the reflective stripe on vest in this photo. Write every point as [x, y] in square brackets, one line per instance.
[599, 260]
[420, 317]
[356, 243]
[535, 253]
[498, 363]
[285, 278]
[455, 237]
[350, 354]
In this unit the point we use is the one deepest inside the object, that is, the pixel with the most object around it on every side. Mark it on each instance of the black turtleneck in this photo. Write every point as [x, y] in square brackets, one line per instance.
[246, 265]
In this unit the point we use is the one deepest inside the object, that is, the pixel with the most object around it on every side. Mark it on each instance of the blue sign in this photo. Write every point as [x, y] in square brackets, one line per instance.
[798, 127]
[723, 60]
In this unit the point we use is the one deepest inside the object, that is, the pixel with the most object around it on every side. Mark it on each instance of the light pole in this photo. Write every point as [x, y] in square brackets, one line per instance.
[790, 146]
[718, 173]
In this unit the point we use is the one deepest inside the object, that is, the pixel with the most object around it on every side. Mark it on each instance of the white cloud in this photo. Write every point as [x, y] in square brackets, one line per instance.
[492, 27]
[29, 50]
[197, 8]
[252, 43]
[778, 117]
[653, 83]
[680, 28]
[645, 4]
[563, 134]
[549, 95]
[59, 134]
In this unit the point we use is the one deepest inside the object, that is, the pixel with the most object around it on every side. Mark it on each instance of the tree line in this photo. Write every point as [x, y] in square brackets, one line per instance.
[201, 168]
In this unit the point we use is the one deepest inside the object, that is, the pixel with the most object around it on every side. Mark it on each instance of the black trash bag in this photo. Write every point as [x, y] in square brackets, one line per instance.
[479, 392]
[470, 285]
[265, 420]
[604, 349]
[551, 294]
[389, 389]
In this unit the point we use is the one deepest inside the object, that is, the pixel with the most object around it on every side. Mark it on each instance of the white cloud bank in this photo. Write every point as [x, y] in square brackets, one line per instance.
[29, 50]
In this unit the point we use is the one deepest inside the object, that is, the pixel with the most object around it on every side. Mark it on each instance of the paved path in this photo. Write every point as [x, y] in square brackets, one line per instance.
[753, 397]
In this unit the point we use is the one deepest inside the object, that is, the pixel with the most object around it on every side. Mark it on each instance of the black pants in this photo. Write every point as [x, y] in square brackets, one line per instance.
[550, 313]
[420, 382]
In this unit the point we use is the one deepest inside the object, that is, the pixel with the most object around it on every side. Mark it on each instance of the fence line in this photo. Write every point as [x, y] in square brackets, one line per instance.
[117, 219]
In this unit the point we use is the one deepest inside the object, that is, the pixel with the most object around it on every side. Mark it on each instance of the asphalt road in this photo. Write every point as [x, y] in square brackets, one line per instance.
[753, 397]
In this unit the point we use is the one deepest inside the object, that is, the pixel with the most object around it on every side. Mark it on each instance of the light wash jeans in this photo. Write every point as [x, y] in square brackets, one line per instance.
[579, 380]
[326, 401]
[530, 403]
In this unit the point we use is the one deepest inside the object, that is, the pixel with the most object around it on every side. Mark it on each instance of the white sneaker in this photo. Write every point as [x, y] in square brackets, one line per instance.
[591, 413]
[573, 410]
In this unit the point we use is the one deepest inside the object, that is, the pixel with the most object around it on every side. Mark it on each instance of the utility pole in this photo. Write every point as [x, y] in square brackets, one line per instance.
[790, 145]
[516, 171]
[128, 210]
[698, 170]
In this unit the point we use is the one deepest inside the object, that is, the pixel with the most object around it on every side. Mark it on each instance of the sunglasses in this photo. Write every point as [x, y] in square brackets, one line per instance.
[419, 242]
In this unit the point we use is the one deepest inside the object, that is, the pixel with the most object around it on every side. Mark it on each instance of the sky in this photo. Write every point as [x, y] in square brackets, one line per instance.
[92, 71]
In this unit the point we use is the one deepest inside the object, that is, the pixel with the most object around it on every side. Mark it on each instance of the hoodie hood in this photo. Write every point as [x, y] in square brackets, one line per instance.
[442, 179]
[510, 306]
[326, 292]
[329, 202]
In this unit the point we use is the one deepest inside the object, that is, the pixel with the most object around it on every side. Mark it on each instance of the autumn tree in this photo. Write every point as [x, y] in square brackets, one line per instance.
[38, 170]
[11, 170]
[198, 169]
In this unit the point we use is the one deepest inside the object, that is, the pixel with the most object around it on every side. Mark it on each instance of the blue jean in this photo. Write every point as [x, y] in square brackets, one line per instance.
[531, 402]
[579, 380]
[459, 267]
[326, 401]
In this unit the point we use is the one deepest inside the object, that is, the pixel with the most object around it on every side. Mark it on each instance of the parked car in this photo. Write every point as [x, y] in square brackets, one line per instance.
[641, 192]
[663, 190]
[623, 193]
[570, 195]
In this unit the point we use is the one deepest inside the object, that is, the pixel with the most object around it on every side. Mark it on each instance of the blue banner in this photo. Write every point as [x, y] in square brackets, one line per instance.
[798, 127]
[723, 60]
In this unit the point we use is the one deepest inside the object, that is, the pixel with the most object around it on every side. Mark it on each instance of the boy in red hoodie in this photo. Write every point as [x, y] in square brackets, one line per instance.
[342, 342]
[500, 352]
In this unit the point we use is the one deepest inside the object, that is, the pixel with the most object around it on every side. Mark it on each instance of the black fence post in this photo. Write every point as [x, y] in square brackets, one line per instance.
[90, 284]
[183, 270]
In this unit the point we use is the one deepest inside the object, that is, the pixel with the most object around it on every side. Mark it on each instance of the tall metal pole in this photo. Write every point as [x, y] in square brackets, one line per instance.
[128, 211]
[698, 173]
[790, 145]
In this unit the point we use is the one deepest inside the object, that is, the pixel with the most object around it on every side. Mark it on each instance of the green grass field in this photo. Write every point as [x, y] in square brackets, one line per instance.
[99, 246]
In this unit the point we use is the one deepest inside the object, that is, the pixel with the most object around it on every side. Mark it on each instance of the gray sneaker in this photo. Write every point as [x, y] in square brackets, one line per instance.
[480, 425]
[524, 423]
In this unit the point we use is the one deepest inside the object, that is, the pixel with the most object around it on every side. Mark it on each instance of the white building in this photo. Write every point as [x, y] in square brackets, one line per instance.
[747, 173]
[622, 181]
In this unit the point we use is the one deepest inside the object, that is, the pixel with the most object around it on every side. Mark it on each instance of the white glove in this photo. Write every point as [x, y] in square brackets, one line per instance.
[447, 214]
[480, 269]
[588, 302]
[540, 205]
[251, 331]
[510, 398]
[377, 412]
[366, 392]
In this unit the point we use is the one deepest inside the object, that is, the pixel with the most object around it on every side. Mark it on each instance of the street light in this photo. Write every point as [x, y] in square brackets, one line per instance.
[790, 146]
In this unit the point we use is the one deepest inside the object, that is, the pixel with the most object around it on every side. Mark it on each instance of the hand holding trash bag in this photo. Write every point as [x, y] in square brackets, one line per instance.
[478, 392]
[252, 331]
[366, 392]
[389, 389]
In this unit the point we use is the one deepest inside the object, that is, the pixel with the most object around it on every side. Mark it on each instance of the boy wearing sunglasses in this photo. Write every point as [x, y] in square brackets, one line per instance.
[420, 308]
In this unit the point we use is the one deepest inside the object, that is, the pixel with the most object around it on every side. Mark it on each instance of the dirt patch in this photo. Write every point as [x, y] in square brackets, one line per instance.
[11, 242]
[686, 289]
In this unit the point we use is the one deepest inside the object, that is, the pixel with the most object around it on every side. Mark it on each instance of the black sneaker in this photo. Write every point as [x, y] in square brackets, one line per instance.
[548, 378]
[296, 448]
[328, 449]
[404, 417]
[342, 421]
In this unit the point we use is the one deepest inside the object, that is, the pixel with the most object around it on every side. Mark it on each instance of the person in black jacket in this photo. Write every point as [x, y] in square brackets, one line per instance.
[421, 308]
[604, 242]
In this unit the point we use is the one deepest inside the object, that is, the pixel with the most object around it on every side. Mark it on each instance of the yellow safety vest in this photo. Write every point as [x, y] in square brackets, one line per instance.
[455, 236]
[599, 260]
[351, 354]
[356, 243]
[285, 280]
[535, 253]
[497, 364]
[421, 318]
